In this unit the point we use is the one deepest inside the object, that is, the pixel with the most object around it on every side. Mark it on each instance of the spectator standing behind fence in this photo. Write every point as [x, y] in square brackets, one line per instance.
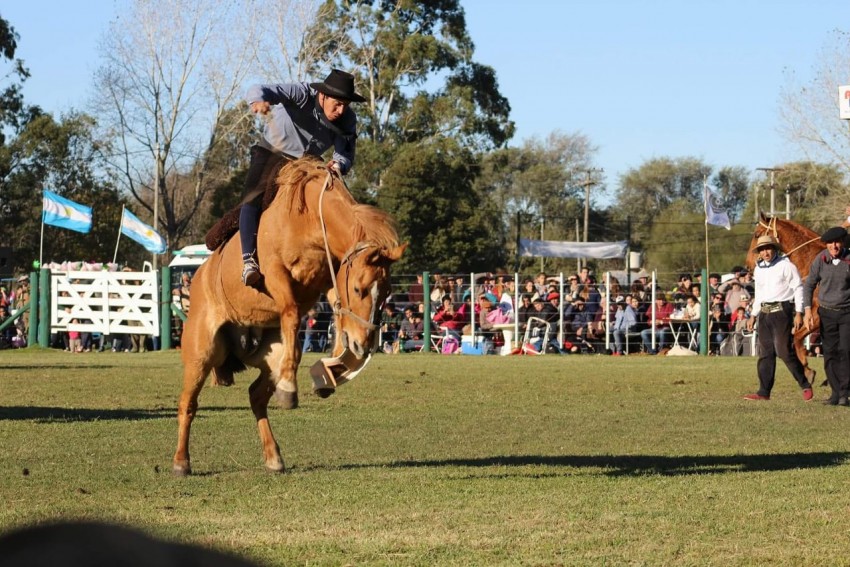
[22, 300]
[778, 309]
[416, 290]
[830, 273]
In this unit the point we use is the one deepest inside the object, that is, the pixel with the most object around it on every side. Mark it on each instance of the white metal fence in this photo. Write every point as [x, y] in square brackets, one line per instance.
[104, 302]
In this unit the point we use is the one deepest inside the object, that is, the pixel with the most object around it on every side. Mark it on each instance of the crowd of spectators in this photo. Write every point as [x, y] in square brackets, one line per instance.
[578, 318]
[581, 328]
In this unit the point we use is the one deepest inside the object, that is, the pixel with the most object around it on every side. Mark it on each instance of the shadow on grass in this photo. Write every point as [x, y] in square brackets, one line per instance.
[45, 367]
[641, 465]
[75, 415]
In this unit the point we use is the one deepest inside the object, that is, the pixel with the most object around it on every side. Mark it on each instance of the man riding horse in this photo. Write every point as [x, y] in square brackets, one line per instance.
[305, 119]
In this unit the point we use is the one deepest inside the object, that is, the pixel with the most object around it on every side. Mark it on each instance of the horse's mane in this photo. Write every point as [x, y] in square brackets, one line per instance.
[797, 228]
[375, 225]
[370, 223]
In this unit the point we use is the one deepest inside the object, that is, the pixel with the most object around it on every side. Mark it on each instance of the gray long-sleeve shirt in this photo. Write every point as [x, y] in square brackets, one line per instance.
[834, 280]
[295, 128]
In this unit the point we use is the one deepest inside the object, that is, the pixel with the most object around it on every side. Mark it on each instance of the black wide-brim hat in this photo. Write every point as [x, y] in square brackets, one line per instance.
[834, 234]
[339, 85]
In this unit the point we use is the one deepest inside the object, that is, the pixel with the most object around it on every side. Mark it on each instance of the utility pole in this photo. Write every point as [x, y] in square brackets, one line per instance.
[773, 171]
[587, 183]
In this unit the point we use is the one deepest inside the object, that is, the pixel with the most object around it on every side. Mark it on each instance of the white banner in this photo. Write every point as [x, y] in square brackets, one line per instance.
[844, 102]
[565, 249]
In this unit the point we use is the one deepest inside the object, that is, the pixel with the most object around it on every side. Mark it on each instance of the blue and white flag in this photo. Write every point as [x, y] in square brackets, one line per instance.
[715, 211]
[141, 233]
[62, 212]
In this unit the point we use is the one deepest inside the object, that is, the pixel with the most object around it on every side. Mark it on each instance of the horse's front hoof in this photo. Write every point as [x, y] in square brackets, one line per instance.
[287, 400]
[324, 392]
[181, 468]
[275, 466]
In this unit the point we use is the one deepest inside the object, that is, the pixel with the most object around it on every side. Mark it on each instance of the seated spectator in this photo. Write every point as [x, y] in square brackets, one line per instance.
[526, 310]
[663, 312]
[7, 334]
[624, 321]
[581, 320]
[390, 325]
[718, 325]
[411, 331]
[448, 319]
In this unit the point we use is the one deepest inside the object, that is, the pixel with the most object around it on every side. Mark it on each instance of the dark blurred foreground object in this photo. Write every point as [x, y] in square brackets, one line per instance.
[93, 544]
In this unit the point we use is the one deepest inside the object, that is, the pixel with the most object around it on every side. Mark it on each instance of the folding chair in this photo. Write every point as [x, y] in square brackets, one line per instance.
[533, 327]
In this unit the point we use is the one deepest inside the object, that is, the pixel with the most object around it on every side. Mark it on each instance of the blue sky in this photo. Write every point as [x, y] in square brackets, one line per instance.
[641, 79]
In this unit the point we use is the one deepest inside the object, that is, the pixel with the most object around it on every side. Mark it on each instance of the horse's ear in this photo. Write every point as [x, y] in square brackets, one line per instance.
[763, 216]
[394, 255]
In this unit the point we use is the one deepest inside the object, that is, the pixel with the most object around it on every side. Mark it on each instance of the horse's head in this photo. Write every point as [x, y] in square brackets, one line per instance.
[363, 284]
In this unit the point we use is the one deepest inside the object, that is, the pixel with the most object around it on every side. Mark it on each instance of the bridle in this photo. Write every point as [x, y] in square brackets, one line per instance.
[346, 261]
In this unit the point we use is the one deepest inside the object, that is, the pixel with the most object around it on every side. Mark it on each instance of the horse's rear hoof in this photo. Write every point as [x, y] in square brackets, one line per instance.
[324, 392]
[276, 467]
[181, 469]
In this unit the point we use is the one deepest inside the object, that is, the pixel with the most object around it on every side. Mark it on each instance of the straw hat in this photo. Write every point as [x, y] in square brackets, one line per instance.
[765, 241]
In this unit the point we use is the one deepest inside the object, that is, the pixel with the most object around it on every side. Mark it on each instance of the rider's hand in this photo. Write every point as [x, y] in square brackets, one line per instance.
[260, 107]
[334, 167]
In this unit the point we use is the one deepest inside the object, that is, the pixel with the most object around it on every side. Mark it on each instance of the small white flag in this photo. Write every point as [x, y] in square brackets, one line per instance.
[140, 232]
[715, 211]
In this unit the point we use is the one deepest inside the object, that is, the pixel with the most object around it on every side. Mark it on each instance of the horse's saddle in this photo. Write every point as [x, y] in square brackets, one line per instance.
[221, 232]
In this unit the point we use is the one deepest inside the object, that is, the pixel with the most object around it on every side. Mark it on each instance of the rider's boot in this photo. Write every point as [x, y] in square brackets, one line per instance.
[248, 220]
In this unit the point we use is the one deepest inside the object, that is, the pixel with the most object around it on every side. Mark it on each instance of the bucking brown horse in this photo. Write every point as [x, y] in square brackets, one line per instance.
[801, 245]
[313, 238]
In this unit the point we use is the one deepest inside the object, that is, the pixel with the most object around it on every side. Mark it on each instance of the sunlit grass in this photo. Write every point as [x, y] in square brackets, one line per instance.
[447, 460]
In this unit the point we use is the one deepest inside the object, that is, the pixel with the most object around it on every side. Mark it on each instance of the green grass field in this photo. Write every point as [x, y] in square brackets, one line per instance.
[442, 460]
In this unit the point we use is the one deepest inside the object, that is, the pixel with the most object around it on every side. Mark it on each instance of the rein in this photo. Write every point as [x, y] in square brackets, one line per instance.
[338, 309]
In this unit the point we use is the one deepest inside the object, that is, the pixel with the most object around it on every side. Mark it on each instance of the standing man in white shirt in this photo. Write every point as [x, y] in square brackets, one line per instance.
[778, 308]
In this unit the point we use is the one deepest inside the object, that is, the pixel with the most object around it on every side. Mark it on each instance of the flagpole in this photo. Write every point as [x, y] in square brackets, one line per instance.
[705, 207]
[115, 256]
[41, 244]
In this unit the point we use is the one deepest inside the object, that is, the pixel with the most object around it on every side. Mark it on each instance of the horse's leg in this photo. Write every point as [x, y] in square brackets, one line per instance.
[803, 354]
[260, 392]
[198, 361]
[290, 357]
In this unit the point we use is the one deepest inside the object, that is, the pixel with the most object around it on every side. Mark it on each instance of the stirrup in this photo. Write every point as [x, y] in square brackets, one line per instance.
[250, 272]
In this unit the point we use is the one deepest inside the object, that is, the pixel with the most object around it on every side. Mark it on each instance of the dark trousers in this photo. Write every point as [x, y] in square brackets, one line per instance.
[264, 164]
[776, 340]
[835, 336]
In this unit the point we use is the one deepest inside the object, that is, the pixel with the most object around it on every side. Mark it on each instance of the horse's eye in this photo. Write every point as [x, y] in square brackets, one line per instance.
[357, 290]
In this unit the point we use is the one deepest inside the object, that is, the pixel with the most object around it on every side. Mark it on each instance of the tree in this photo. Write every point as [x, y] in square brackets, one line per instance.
[809, 108]
[539, 185]
[818, 194]
[14, 114]
[65, 158]
[647, 191]
[173, 71]
[448, 223]
[397, 49]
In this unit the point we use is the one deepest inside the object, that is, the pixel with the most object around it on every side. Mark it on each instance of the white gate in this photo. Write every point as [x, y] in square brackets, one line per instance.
[104, 302]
